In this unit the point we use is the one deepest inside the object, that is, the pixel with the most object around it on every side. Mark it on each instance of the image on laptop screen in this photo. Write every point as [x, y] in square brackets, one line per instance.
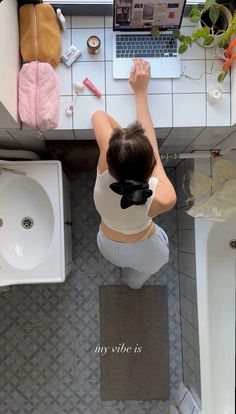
[144, 14]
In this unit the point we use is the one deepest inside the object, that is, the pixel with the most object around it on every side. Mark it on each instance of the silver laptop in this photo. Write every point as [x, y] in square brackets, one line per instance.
[132, 22]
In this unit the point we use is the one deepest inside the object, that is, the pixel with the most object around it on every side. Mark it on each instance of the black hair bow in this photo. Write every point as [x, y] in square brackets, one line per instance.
[133, 192]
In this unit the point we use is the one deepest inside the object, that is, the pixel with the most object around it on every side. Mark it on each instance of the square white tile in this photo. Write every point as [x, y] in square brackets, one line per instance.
[161, 110]
[108, 44]
[121, 86]
[115, 107]
[219, 113]
[108, 21]
[65, 80]
[68, 21]
[192, 77]
[95, 71]
[79, 39]
[213, 69]
[214, 53]
[87, 21]
[65, 122]
[86, 106]
[66, 40]
[195, 51]
[189, 110]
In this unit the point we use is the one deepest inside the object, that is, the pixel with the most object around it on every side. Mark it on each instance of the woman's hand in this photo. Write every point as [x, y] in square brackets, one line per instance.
[140, 76]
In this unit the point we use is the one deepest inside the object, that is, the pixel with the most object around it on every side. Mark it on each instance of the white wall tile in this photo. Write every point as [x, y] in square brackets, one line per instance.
[68, 21]
[213, 69]
[187, 264]
[121, 86]
[79, 39]
[95, 71]
[66, 38]
[160, 109]
[189, 110]
[85, 108]
[192, 78]
[87, 21]
[108, 21]
[195, 51]
[219, 113]
[108, 44]
[115, 107]
[214, 53]
[65, 122]
[64, 78]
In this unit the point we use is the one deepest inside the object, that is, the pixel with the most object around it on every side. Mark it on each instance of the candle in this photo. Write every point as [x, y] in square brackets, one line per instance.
[93, 44]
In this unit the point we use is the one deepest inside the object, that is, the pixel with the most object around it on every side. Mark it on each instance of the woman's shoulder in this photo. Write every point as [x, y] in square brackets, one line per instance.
[164, 198]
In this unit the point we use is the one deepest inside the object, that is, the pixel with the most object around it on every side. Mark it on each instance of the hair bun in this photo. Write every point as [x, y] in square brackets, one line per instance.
[133, 192]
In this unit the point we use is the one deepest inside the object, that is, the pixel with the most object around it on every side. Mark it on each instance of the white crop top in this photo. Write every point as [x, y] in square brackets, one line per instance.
[128, 221]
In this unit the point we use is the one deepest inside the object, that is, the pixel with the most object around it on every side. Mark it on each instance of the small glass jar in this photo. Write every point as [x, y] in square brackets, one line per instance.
[94, 44]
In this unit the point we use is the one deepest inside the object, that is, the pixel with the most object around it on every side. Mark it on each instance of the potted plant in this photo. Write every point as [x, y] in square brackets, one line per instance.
[216, 26]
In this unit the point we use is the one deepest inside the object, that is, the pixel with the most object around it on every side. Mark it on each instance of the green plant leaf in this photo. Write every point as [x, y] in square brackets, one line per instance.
[213, 15]
[195, 14]
[222, 76]
[183, 48]
[209, 4]
[176, 33]
[155, 32]
[208, 40]
[204, 32]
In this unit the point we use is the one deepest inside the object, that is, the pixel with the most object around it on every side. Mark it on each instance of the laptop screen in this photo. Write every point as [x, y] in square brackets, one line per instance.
[144, 14]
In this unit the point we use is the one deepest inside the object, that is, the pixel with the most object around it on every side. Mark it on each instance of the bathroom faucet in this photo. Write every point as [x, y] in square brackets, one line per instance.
[2, 169]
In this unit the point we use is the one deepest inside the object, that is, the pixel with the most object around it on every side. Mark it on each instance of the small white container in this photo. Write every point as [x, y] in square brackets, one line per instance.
[61, 19]
[214, 95]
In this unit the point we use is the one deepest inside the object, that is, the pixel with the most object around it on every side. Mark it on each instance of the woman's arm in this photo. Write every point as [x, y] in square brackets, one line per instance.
[139, 79]
[103, 125]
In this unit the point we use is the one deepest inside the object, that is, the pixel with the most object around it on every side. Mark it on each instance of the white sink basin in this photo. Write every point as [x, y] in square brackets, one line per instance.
[31, 223]
[27, 223]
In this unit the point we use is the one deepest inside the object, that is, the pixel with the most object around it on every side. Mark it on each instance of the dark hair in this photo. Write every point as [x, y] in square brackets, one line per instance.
[130, 154]
[131, 160]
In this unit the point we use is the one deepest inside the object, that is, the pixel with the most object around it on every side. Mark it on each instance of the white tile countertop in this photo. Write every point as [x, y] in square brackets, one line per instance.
[173, 103]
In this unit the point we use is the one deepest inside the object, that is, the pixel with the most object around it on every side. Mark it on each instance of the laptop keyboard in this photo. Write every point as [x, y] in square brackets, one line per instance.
[130, 46]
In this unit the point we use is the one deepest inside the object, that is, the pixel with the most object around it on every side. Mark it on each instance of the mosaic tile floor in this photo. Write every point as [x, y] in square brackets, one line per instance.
[48, 333]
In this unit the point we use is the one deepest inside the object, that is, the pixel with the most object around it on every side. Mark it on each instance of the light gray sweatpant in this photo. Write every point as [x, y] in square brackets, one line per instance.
[141, 259]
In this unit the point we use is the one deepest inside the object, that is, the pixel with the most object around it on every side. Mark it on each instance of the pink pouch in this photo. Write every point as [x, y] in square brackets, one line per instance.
[38, 96]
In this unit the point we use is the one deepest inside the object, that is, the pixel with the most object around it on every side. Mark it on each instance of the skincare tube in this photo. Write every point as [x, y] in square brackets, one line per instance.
[92, 88]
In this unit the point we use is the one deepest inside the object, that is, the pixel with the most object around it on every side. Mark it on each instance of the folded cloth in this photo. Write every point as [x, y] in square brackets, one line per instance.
[186, 403]
[40, 37]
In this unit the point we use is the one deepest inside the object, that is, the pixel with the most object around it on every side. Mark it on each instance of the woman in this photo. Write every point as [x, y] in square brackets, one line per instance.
[131, 188]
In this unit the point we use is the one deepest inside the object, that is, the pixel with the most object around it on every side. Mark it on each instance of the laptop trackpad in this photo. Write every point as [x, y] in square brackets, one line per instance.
[123, 67]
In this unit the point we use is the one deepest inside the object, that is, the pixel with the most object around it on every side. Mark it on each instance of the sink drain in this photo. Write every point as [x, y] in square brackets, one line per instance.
[27, 223]
[232, 244]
